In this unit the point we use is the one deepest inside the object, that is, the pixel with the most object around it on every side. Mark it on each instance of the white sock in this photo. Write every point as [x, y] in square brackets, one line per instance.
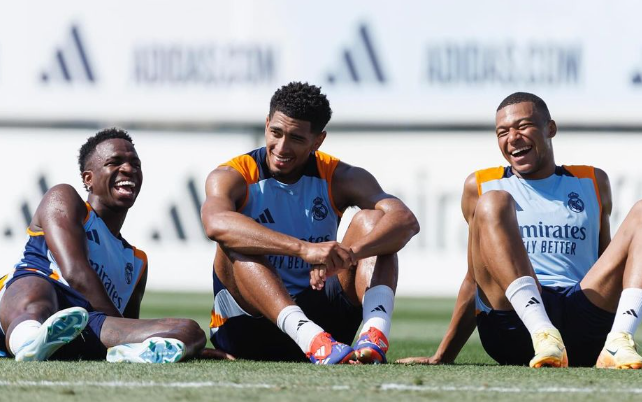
[378, 303]
[527, 302]
[629, 311]
[22, 333]
[298, 326]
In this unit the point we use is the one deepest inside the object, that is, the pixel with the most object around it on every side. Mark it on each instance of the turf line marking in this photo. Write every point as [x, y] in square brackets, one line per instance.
[383, 387]
[544, 390]
[117, 384]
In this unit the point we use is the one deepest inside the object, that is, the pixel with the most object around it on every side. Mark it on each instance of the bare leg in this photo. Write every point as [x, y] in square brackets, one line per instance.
[498, 254]
[370, 272]
[28, 298]
[253, 283]
[620, 266]
[118, 331]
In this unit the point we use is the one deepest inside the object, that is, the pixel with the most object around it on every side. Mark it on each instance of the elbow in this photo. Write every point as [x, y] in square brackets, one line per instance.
[412, 223]
[213, 226]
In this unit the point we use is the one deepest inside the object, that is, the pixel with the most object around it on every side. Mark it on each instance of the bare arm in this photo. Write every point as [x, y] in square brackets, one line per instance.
[462, 323]
[60, 215]
[604, 187]
[356, 187]
[225, 192]
[133, 306]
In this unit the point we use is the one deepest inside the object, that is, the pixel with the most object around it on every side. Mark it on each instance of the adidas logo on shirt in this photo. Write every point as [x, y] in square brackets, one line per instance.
[265, 217]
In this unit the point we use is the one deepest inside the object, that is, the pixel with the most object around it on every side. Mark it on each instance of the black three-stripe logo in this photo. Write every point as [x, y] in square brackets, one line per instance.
[359, 63]
[532, 301]
[71, 62]
[631, 312]
[92, 235]
[301, 322]
[265, 217]
[379, 308]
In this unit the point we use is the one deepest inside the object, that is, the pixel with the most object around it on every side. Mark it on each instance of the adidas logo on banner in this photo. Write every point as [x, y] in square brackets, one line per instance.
[631, 312]
[265, 217]
[71, 63]
[532, 301]
[360, 62]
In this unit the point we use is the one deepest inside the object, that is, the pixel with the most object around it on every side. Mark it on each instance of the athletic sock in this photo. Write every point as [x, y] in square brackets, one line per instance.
[298, 326]
[629, 311]
[22, 333]
[527, 302]
[378, 303]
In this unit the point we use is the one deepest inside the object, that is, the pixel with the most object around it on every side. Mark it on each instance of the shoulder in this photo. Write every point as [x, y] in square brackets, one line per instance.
[60, 200]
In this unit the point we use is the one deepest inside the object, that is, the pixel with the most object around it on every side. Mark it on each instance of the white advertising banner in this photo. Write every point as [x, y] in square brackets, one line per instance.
[409, 62]
[425, 170]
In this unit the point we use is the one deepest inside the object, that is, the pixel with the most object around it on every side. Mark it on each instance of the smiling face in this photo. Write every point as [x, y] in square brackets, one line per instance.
[289, 142]
[113, 173]
[524, 138]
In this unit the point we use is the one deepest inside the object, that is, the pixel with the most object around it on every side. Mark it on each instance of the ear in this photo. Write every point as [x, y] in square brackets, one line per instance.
[267, 122]
[552, 129]
[319, 140]
[87, 178]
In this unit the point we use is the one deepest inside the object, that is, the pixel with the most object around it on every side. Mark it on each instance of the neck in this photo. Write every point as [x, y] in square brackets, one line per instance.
[114, 219]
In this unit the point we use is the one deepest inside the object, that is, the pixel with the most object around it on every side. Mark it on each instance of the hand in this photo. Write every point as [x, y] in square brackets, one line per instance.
[331, 254]
[318, 276]
[419, 360]
[214, 354]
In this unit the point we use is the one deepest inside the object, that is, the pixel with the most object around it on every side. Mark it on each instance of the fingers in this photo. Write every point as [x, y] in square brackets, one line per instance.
[317, 277]
[414, 360]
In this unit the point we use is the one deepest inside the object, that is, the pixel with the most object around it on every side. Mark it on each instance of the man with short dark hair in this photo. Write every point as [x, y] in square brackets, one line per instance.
[284, 287]
[78, 276]
[549, 286]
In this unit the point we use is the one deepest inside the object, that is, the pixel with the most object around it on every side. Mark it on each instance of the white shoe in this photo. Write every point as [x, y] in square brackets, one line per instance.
[549, 349]
[151, 350]
[619, 352]
[59, 329]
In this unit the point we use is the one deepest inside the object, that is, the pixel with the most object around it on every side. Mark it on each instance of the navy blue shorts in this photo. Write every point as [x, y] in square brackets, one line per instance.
[257, 338]
[583, 326]
[87, 345]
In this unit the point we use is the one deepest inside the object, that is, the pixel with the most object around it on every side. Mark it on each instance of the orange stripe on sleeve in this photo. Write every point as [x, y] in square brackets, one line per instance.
[486, 175]
[33, 234]
[327, 165]
[587, 172]
[247, 167]
[140, 254]
[3, 280]
[89, 209]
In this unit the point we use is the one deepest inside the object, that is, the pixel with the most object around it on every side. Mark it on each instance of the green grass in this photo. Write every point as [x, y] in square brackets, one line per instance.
[418, 325]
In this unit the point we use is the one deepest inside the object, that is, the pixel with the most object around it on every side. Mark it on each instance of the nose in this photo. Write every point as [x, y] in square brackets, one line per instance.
[513, 134]
[282, 145]
[128, 167]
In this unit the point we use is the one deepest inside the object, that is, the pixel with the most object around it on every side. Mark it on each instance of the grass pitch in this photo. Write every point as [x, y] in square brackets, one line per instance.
[418, 325]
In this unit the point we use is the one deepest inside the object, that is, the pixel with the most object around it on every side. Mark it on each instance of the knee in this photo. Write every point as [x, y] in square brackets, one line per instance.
[494, 205]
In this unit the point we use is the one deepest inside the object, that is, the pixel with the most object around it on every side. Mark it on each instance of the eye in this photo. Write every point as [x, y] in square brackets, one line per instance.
[501, 134]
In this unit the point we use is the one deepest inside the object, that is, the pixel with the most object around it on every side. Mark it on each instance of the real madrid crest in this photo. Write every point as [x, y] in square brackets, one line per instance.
[574, 203]
[319, 210]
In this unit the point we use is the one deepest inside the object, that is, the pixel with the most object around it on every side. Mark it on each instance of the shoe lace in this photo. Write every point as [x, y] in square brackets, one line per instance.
[546, 338]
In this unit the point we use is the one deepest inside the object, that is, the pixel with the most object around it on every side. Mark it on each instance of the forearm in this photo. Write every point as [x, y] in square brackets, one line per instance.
[461, 326]
[391, 233]
[243, 235]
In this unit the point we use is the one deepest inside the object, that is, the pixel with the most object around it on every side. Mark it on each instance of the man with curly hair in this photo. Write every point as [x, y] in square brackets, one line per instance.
[78, 288]
[284, 288]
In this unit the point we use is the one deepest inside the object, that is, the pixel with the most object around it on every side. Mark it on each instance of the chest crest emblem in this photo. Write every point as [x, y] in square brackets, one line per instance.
[319, 210]
[575, 204]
